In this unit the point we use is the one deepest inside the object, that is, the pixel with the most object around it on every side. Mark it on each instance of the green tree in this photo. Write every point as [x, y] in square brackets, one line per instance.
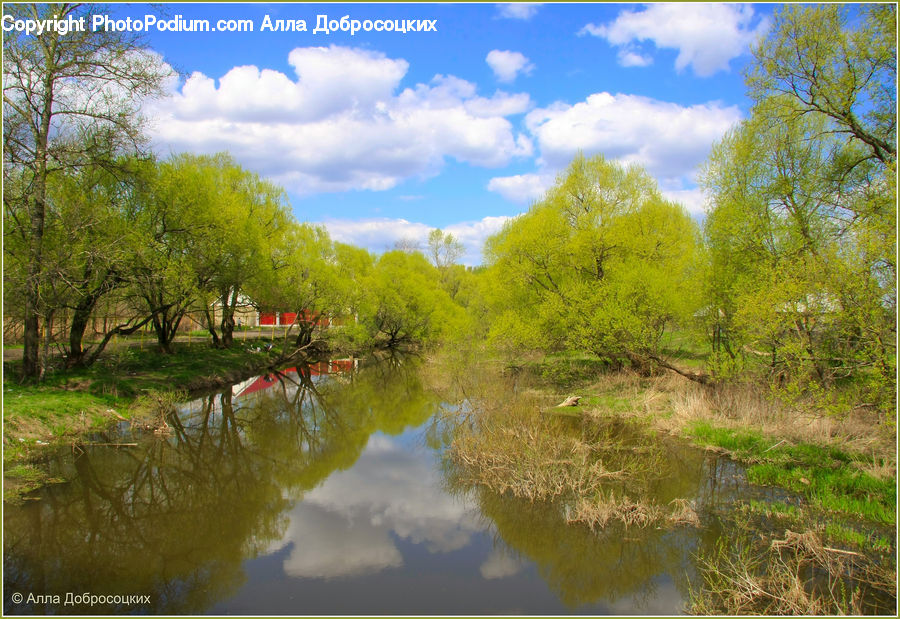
[406, 304]
[243, 219]
[173, 226]
[68, 101]
[603, 264]
[444, 249]
[801, 229]
[824, 66]
[305, 280]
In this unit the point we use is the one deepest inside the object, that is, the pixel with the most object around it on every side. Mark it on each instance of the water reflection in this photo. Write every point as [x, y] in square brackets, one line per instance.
[175, 517]
[311, 491]
[350, 524]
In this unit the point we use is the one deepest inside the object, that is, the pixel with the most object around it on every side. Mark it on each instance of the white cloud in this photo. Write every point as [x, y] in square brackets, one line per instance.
[473, 234]
[348, 525]
[631, 58]
[376, 234]
[327, 547]
[707, 36]
[519, 10]
[500, 564]
[340, 124]
[668, 139]
[694, 200]
[521, 188]
[507, 65]
[380, 234]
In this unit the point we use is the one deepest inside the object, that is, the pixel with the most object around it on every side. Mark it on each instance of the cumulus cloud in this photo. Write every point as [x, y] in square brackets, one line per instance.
[340, 123]
[694, 200]
[707, 36]
[632, 58]
[500, 564]
[668, 139]
[381, 234]
[507, 65]
[348, 525]
[521, 188]
[518, 10]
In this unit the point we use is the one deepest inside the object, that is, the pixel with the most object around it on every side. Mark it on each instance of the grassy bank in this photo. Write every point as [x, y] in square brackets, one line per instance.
[69, 403]
[842, 464]
[612, 460]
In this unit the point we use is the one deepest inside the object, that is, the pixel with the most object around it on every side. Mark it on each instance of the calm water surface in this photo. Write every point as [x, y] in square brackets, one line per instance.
[324, 492]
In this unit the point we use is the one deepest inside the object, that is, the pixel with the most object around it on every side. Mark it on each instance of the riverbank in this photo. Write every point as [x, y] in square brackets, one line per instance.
[832, 507]
[72, 403]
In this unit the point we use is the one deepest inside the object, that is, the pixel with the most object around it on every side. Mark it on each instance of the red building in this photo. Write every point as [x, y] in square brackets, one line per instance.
[286, 319]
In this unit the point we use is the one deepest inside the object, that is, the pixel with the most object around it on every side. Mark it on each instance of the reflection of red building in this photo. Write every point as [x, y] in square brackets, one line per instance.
[322, 368]
[285, 319]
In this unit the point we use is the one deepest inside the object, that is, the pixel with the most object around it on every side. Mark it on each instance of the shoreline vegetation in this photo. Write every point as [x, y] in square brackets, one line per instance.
[598, 458]
[129, 384]
[822, 543]
[765, 333]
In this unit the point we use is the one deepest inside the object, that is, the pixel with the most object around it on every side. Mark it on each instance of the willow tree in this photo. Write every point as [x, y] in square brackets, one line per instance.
[238, 221]
[68, 101]
[406, 304]
[801, 228]
[603, 263]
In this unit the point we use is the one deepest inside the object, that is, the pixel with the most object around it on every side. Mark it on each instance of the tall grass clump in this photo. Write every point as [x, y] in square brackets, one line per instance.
[513, 440]
[796, 575]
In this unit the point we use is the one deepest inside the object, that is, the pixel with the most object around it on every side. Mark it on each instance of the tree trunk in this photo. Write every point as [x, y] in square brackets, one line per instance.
[166, 327]
[304, 335]
[76, 333]
[45, 354]
[82, 315]
[31, 366]
[211, 327]
[229, 302]
[117, 330]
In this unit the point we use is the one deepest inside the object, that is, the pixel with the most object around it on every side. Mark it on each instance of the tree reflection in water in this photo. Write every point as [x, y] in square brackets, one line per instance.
[175, 517]
[286, 469]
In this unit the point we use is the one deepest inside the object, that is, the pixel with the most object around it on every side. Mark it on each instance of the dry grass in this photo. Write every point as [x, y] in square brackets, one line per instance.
[532, 455]
[744, 405]
[150, 411]
[796, 575]
[598, 513]
[511, 440]
[683, 514]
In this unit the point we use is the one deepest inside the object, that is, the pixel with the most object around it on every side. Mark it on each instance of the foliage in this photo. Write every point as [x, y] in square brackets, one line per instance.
[602, 264]
[825, 475]
[443, 249]
[801, 230]
[406, 303]
[69, 101]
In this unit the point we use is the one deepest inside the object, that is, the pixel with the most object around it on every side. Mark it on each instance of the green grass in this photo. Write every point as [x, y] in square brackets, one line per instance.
[775, 509]
[608, 402]
[568, 370]
[21, 479]
[71, 402]
[838, 533]
[824, 475]
[685, 349]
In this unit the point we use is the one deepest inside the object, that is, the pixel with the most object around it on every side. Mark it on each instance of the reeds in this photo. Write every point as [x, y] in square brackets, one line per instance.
[796, 575]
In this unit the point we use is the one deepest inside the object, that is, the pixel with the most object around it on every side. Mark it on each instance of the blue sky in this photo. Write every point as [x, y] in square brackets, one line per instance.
[384, 135]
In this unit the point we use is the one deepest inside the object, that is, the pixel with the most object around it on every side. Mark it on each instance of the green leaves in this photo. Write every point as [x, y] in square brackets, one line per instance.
[801, 231]
[603, 264]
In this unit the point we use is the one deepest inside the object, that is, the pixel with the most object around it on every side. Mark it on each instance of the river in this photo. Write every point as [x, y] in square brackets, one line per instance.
[324, 491]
